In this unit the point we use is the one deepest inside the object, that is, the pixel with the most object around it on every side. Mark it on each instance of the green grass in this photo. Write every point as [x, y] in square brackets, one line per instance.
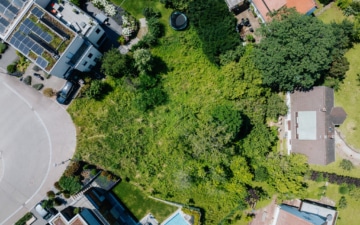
[334, 167]
[348, 97]
[139, 204]
[349, 215]
[332, 14]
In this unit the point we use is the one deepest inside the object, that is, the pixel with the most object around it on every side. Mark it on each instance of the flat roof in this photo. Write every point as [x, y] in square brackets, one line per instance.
[324, 211]
[9, 9]
[41, 37]
[306, 121]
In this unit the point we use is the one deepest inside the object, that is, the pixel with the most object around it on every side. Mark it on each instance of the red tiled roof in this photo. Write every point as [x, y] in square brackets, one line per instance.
[302, 6]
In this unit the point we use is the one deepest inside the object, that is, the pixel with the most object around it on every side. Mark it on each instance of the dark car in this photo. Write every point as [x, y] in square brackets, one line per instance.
[63, 96]
[38, 76]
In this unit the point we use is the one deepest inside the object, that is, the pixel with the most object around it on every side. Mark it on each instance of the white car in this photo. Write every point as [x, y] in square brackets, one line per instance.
[42, 212]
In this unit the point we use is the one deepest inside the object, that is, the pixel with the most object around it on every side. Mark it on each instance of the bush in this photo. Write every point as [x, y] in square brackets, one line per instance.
[50, 194]
[122, 40]
[38, 86]
[36, 68]
[70, 184]
[23, 219]
[27, 80]
[344, 189]
[58, 201]
[95, 90]
[57, 186]
[149, 12]
[11, 68]
[93, 172]
[77, 210]
[48, 92]
[155, 27]
[342, 202]
[66, 194]
[346, 164]
[3, 47]
[48, 203]
[47, 76]
[72, 169]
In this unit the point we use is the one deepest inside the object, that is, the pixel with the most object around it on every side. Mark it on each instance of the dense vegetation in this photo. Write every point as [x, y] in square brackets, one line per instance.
[187, 119]
[298, 52]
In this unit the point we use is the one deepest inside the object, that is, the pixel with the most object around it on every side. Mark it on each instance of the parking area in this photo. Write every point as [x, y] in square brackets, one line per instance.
[37, 134]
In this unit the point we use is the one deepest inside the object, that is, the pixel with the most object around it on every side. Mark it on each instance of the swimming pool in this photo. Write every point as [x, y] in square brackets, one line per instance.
[178, 219]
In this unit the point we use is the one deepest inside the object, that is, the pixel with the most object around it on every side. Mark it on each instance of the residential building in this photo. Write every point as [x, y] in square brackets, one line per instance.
[310, 125]
[233, 4]
[263, 8]
[57, 37]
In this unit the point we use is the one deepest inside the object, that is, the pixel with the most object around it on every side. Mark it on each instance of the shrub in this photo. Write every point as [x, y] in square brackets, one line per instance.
[3, 47]
[48, 92]
[38, 86]
[250, 38]
[344, 189]
[58, 201]
[95, 89]
[346, 164]
[342, 202]
[122, 40]
[11, 68]
[48, 203]
[70, 184]
[149, 12]
[50, 194]
[57, 186]
[155, 27]
[72, 169]
[36, 68]
[47, 76]
[77, 210]
[66, 194]
[23, 219]
[93, 172]
[27, 80]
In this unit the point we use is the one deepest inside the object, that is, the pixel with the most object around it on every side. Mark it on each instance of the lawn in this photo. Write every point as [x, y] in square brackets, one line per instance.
[348, 97]
[139, 204]
[346, 216]
[334, 167]
[334, 13]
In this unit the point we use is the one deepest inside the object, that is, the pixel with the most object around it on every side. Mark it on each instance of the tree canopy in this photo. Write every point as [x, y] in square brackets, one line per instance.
[295, 51]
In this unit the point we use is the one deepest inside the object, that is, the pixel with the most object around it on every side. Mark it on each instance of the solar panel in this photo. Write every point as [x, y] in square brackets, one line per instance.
[37, 12]
[18, 3]
[5, 3]
[13, 9]
[37, 49]
[2, 9]
[47, 37]
[4, 22]
[8, 14]
[41, 62]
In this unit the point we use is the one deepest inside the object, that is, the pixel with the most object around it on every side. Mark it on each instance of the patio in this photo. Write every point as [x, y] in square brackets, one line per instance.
[254, 22]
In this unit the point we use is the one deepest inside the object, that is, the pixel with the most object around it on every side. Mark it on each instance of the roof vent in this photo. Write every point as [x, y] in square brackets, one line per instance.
[329, 217]
[323, 109]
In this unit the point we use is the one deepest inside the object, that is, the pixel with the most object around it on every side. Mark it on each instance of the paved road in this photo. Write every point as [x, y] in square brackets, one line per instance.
[35, 134]
[345, 151]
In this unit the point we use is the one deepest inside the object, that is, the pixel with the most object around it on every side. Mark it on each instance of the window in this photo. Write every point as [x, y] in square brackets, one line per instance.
[90, 55]
[97, 31]
[90, 66]
[84, 63]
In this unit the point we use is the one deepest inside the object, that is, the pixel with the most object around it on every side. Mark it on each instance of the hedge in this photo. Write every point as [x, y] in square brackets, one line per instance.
[334, 178]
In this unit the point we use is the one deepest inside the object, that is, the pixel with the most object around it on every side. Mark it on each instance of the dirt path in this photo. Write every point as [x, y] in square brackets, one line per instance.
[345, 151]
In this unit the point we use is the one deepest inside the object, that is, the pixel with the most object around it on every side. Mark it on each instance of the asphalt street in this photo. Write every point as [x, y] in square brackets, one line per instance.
[36, 135]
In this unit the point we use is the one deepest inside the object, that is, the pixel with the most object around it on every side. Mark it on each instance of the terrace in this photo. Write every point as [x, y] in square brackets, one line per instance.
[41, 37]
[71, 16]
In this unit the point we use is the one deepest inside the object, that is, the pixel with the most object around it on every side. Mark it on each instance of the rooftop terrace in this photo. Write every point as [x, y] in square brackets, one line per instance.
[41, 37]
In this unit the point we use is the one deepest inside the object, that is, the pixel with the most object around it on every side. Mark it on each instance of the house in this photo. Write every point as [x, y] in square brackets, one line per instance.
[57, 37]
[99, 207]
[296, 212]
[309, 213]
[263, 8]
[310, 124]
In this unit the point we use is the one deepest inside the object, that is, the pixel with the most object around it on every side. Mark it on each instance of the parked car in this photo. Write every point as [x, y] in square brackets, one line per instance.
[63, 96]
[38, 76]
[42, 212]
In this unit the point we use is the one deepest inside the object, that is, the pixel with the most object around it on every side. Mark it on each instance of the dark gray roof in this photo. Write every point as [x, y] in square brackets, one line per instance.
[338, 115]
[320, 100]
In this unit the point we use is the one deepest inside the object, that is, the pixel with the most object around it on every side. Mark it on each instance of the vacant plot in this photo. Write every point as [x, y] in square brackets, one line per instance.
[333, 14]
[140, 204]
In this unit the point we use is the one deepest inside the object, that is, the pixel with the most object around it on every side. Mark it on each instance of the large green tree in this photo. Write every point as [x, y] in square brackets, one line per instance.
[115, 64]
[295, 51]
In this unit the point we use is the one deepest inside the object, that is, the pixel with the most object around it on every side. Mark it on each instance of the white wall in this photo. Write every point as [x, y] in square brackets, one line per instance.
[89, 62]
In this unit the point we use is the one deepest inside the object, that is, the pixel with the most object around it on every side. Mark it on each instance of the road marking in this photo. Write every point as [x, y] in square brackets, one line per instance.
[50, 151]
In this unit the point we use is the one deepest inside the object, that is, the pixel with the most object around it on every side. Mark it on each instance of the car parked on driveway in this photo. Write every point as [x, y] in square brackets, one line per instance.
[42, 212]
[64, 95]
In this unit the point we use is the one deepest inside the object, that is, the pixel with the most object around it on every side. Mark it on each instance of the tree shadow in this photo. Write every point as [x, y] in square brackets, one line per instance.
[160, 66]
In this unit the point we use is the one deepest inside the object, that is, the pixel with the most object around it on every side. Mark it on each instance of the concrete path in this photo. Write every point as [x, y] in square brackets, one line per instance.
[346, 151]
[36, 134]
[7, 58]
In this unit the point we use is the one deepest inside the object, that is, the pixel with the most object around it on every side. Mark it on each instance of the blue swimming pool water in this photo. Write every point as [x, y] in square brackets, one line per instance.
[177, 220]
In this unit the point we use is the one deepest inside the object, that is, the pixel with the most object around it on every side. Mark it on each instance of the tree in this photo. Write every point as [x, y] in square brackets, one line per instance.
[155, 27]
[225, 115]
[275, 106]
[116, 64]
[143, 60]
[294, 52]
[70, 184]
[346, 164]
[95, 89]
[11, 68]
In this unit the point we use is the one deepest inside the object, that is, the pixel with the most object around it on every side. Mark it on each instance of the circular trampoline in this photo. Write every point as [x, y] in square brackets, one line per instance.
[178, 20]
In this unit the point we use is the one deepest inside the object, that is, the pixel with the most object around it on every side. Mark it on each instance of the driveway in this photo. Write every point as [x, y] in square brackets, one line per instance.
[8, 57]
[36, 134]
